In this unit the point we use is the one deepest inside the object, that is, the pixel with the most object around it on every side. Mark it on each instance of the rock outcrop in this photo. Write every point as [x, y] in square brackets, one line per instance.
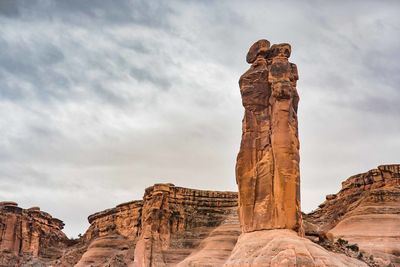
[169, 225]
[175, 226]
[267, 169]
[175, 220]
[123, 220]
[283, 247]
[366, 213]
[27, 234]
[112, 236]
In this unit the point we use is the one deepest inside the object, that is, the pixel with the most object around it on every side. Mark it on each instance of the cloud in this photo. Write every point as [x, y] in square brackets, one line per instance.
[102, 99]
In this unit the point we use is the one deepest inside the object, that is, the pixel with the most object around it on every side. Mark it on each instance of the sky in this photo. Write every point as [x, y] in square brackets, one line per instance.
[101, 99]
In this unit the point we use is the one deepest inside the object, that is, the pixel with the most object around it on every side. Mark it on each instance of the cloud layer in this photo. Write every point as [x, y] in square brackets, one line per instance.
[100, 99]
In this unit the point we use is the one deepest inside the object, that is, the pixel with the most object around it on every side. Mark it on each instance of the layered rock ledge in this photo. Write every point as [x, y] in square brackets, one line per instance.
[365, 212]
[27, 234]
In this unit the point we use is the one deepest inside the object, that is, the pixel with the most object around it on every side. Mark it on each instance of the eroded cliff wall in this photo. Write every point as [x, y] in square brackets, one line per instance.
[163, 229]
[28, 233]
[365, 212]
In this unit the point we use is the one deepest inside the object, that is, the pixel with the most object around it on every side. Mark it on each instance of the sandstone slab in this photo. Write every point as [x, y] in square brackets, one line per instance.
[277, 248]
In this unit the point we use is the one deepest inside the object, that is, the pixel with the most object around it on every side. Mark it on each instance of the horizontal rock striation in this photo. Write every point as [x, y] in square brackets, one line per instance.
[366, 212]
[176, 219]
[28, 233]
[164, 228]
[123, 220]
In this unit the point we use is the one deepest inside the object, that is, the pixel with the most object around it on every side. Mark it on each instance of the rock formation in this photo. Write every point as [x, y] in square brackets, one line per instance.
[365, 212]
[284, 247]
[267, 169]
[175, 226]
[27, 234]
[175, 220]
[112, 235]
[168, 225]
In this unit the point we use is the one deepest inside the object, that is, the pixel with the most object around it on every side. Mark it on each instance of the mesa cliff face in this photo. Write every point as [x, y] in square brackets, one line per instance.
[162, 230]
[366, 212]
[174, 226]
[28, 233]
[175, 220]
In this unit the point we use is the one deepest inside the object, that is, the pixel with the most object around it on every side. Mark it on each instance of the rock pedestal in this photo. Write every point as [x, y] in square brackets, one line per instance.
[267, 168]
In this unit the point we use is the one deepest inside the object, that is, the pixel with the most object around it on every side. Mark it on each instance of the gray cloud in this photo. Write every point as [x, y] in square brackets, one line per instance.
[9, 8]
[101, 99]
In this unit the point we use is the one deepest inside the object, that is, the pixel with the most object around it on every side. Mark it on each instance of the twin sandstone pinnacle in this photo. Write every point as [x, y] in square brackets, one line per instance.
[267, 168]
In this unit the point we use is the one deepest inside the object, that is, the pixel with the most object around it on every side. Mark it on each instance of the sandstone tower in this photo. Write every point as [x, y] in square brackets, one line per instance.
[267, 168]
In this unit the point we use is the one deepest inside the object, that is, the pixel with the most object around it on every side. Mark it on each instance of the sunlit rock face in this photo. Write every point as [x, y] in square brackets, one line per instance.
[28, 233]
[267, 168]
[366, 212]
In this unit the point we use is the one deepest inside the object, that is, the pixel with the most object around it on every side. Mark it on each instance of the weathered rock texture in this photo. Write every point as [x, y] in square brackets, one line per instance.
[28, 233]
[176, 226]
[169, 225]
[267, 169]
[365, 212]
[112, 236]
[284, 247]
[123, 220]
[175, 220]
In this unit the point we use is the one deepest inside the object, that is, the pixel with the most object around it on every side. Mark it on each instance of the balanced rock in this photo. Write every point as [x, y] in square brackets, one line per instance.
[267, 168]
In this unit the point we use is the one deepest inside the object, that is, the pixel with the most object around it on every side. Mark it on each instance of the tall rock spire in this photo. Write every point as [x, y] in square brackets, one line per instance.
[267, 168]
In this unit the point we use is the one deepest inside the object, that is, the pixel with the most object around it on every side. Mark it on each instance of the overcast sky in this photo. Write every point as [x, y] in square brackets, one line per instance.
[100, 99]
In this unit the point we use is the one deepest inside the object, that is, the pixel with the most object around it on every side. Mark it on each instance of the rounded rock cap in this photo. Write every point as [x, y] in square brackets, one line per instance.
[259, 47]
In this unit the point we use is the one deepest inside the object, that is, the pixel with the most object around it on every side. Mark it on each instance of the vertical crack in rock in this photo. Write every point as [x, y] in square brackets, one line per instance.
[267, 168]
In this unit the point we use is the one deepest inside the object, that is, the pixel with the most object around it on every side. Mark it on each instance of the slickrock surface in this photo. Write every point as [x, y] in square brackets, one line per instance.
[175, 220]
[267, 168]
[26, 234]
[215, 249]
[366, 212]
[282, 247]
[110, 250]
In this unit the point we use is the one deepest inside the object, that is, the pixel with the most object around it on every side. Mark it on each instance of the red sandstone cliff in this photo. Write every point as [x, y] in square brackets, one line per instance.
[27, 234]
[174, 226]
[169, 225]
[366, 212]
